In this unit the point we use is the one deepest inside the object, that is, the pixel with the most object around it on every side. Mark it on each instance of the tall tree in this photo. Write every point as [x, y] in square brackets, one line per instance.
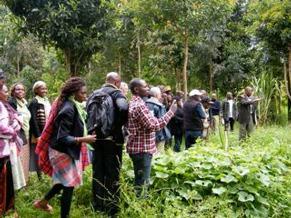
[74, 26]
[273, 26]
[185, 20]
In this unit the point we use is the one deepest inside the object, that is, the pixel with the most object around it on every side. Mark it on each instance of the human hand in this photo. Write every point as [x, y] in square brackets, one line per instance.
[89, 139]
[174, 106]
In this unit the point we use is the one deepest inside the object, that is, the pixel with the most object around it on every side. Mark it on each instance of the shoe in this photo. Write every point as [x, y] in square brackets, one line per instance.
[40, 204]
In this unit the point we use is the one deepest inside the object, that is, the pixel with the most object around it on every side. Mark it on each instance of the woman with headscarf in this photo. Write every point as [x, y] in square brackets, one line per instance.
[11, 172]
[61, 149]
[18, 102]
[39, 108]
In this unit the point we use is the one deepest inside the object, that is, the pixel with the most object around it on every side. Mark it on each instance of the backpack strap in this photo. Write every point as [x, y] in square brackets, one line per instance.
[110, 92]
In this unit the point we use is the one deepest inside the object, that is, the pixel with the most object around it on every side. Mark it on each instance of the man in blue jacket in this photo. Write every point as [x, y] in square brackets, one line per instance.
[158, 110]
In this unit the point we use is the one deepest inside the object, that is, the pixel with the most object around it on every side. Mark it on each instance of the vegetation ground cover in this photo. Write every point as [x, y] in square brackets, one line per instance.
[251, 179]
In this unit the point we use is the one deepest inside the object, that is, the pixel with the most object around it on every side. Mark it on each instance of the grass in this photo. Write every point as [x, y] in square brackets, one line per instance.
[161, 202]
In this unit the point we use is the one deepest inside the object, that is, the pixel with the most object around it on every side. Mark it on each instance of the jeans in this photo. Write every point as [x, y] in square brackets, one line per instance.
[106, 163]
[191, 137]
[142, 171]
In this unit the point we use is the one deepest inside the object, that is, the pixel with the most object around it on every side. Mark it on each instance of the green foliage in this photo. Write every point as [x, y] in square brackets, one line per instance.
[229, 42]
[273, 23]
[75, 27]
[265, 87]
[251, 177]
[249, 180]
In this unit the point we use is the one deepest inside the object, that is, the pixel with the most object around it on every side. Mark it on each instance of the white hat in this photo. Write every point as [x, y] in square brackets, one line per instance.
[195, 92]
[37, 85]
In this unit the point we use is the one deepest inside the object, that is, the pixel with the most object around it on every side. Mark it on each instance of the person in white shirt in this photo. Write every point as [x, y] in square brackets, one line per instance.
[229, 111]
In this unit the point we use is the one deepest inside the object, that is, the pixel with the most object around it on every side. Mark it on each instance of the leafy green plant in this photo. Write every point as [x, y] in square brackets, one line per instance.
[266, 87]
[248, 180]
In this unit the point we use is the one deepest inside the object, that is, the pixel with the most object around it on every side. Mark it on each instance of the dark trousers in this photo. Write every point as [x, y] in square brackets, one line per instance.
[142, 170]
[66, 198]
[178, 141]
[229, 123]
[191, 137]
[106, 162]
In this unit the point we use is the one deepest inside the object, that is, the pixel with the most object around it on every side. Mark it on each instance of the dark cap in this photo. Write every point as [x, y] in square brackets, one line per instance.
[206, 99]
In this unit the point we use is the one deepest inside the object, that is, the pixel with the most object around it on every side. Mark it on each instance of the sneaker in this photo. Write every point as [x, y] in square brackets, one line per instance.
[42, 205]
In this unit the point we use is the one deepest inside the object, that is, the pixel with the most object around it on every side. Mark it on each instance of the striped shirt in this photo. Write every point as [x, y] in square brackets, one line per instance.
[142, 126]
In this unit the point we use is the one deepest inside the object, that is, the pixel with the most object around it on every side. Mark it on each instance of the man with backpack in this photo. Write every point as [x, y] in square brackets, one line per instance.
[107, 112]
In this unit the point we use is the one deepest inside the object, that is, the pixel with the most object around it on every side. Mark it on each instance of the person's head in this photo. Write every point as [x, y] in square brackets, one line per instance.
[170, 98]
[229, 95]
[214, 96]
[206, 102]
[179, 100]
[39, 88]
[156, 93]
[195, 94]
[203, 93]
[139, 87]
[248, 91]
[114, 79]
[167, 89]
[180, 94]
[76, 87]
[4, 93]
[2, 78]
[18, 91]
[124, 88]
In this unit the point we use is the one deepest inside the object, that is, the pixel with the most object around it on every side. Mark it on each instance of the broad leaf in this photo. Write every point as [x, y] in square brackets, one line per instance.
[245, 197]
[228, 179]
[219, 190]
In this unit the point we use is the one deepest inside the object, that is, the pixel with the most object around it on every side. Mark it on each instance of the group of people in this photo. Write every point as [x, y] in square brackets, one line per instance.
[58, 141]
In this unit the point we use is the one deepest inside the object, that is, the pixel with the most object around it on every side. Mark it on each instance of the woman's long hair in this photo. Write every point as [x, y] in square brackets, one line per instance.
[71, 86]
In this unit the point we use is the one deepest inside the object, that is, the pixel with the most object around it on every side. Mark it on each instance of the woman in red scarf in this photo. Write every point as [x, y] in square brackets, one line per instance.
[61, 148]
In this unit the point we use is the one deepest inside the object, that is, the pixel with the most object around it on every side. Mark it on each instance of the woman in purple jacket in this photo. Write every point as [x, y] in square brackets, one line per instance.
[10, 144]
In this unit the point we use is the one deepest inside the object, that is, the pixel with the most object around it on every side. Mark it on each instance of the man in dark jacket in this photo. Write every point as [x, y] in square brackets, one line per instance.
[177, 124]
[247, 113]
[215, 112]
[107, 154]
[193, 118]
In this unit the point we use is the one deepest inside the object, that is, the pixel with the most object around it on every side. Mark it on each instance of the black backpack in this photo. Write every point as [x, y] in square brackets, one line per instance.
[100, 109]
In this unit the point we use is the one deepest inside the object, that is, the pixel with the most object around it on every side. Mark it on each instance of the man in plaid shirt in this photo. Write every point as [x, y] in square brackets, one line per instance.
[142, 126]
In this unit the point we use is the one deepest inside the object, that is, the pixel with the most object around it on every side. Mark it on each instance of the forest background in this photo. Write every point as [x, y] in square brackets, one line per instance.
[217, 45]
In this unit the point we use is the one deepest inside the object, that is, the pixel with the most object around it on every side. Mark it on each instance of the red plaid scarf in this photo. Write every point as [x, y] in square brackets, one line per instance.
[44, 141]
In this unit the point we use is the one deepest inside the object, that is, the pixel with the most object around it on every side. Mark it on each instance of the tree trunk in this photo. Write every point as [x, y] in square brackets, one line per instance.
[288, 82]
[211, 76]
[139, 54]
[186, 57]
[72, 63]
[119, 64]
[178, 79]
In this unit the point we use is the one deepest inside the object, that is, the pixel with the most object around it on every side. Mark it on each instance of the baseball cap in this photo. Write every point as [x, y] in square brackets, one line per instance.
[195, 92]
